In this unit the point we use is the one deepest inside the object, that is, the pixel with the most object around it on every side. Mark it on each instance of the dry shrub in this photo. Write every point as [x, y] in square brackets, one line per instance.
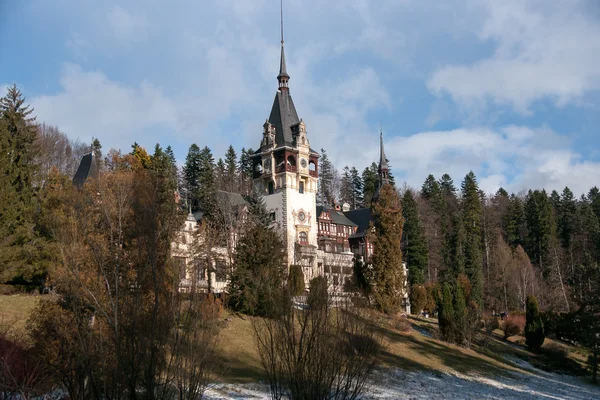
[513, 325]
[22, 374]
[320, 352]
[490, 324]
[401, 323]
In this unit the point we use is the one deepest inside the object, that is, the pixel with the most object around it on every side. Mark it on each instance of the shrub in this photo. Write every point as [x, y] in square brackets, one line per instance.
[402, 324]
[418, 298]
[534, 329]
[296, 280]
[513, 324]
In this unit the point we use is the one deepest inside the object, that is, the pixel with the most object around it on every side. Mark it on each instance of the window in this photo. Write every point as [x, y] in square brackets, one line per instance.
[271, 188]
[301, 187]
[220, 270]
[272, 217]
[303, 237]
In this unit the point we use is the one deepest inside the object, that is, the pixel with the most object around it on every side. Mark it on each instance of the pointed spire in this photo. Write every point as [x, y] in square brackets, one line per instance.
[384, 169]
[383, 164]
[283, 76]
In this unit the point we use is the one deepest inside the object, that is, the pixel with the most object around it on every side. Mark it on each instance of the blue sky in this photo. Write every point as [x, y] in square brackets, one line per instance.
[508, 89]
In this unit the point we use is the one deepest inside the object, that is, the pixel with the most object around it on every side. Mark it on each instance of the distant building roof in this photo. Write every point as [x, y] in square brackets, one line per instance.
[337, 216]
[362, 218]
[87, 169]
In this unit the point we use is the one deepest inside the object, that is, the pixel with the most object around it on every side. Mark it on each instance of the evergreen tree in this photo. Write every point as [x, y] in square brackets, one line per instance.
[259, 267]
[447, 185]
[534, 329]
[594, 199]
[141, 155]
[541, 227]
[191, 175]
[231, 177]
[357, 189]
[446, 312]
[23, 256]
[514, 222]
[386, 275]
[326, 192]
[413, 241]
[207, 195]
[370, 180]
[245, 171]
[221, 175]
[566, 218]
[471, 218]
[346, 187]
[391, 178]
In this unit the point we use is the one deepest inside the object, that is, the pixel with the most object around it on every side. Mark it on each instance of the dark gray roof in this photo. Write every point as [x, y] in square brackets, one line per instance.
[233, 199]
[361, 217]
[87, 169]
[282, 67]
[337, 217]
[383, 165]
[283, 116]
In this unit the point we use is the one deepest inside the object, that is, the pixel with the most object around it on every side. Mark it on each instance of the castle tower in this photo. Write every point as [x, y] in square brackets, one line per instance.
[286, 174]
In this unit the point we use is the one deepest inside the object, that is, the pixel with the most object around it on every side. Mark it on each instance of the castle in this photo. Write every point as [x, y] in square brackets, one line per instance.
[322, 240]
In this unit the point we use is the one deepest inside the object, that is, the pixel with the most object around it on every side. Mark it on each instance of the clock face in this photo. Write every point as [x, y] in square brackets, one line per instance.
[301, 216]
[303, 163]
[268, 163]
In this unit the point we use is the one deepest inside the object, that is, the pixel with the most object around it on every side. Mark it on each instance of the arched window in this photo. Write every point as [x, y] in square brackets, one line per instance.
[271, 187]
[303, 237]
[291, 161]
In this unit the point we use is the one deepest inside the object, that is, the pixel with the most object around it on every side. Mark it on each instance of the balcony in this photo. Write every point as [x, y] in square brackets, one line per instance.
[314, 174]
[286, 168]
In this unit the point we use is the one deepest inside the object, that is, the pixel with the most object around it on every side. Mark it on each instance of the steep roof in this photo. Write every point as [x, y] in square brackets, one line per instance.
[283, 117]
[337, 217]
[87, 169]
[362, 218]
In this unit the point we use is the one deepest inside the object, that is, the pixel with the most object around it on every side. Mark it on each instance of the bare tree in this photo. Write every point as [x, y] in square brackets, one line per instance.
[321, 352]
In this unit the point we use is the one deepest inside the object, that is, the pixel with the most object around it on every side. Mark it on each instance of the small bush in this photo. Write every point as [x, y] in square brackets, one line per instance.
[513, 325]
[418, 299]
[296, 280]
[402, 324]
[490, 324]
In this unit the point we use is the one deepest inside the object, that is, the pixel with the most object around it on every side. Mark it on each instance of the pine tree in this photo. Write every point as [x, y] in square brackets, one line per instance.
[387, 277]
[414, 244]
[357, 190]
[566, 218]
[23, 256]
[231, 176]
[447, 185]
[346, 187]
[514, 222]
[191, 174]
[471, 218]
[245, 171]
[221, 175]
[325, 194]
[541, 228]
[370, 180]
[534, 329]
[207, 195]
[259, 265]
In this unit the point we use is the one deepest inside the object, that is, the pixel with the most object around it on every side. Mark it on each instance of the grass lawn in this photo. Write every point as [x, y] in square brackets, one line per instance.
[14, 311]
[416, 348]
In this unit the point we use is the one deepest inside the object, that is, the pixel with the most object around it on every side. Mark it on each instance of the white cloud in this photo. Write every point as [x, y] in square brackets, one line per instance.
[90, 104]
[126, 26]
[542, 50]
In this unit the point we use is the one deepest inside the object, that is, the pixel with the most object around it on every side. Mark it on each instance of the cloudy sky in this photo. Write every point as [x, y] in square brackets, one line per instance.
[508, 89]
